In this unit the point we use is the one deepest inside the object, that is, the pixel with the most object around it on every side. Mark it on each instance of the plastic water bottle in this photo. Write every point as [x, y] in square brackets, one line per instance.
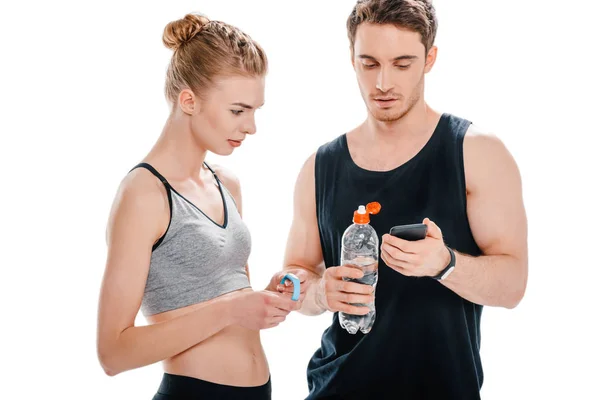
[360, 248]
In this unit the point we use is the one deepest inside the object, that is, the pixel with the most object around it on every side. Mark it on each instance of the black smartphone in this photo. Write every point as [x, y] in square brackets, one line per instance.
[409, 232]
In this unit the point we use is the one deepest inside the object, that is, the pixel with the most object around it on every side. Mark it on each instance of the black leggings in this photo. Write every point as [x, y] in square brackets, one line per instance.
[176, 387]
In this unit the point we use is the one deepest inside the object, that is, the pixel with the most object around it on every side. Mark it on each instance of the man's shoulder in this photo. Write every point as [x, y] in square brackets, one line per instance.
[482, 141]
[333, 145]
[323, 155]
[485, 157]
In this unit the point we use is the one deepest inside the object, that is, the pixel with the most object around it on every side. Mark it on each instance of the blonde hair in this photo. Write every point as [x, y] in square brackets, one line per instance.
[205, 49]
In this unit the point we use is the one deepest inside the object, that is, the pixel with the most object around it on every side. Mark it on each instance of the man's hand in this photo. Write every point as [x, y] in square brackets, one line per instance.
[336, 294]
[425, 257]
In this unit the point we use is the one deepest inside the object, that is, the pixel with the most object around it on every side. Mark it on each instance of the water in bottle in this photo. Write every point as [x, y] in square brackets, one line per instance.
[360, 248]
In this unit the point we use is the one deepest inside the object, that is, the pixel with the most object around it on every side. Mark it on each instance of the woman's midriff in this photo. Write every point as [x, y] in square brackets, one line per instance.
[233, 356]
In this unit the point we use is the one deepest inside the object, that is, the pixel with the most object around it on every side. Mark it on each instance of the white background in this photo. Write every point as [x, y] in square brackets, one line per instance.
[81, 103]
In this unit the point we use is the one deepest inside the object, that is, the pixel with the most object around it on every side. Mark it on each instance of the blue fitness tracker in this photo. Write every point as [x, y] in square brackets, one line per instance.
[296, 282]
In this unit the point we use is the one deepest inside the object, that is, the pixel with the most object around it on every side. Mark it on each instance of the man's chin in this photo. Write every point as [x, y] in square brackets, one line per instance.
[387, 115]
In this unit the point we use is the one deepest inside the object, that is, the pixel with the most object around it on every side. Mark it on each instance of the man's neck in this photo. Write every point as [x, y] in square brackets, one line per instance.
[415, 123]
[381, 146]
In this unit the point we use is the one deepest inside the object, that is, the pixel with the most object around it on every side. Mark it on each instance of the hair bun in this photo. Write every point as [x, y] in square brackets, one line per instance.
[183, 30]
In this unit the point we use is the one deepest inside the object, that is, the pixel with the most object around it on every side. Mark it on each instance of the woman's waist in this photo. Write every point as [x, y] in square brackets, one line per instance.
[234, 356]
[233, 350]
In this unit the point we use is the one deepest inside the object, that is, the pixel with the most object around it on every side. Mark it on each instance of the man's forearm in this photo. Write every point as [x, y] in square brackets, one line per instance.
[498, 280]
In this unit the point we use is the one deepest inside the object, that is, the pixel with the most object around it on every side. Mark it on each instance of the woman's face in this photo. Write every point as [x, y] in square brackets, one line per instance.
[224, 115]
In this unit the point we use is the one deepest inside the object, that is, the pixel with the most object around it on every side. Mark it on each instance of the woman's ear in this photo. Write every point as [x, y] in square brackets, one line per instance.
[188, 102]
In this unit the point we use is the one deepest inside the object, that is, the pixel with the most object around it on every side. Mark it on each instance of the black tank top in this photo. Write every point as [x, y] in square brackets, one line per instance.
[425, 340]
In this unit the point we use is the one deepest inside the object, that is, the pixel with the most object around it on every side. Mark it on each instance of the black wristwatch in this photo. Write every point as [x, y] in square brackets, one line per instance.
[449, 268]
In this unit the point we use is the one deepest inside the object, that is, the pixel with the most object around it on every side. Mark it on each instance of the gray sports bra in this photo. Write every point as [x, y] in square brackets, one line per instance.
[196, 259]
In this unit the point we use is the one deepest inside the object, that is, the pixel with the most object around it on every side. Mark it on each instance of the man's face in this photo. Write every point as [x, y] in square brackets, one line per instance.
[390, 64]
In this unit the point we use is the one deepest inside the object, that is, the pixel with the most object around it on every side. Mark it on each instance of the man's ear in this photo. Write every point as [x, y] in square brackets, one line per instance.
[431, 57]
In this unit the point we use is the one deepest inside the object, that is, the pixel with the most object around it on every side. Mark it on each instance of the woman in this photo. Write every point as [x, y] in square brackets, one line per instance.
[177, 245]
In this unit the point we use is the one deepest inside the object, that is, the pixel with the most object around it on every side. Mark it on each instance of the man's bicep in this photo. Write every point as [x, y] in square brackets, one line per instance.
[303, 245]
[494, 197]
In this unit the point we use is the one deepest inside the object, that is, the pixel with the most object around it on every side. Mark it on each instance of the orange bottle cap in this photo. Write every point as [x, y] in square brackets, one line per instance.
[374, 207]
[361, 216]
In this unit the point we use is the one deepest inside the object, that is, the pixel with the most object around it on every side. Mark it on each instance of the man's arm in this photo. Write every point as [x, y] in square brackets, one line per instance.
[303, 249]
[323, 289]
[499, 226]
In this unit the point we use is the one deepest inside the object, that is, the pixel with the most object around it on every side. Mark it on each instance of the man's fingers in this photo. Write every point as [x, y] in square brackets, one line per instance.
[406, 246]
[393, 263]
[399, 266]
[350, 309]
[389, 259]
[433, 230]
[348, 272]
[400, 255]
[353, 298]
[349, 287]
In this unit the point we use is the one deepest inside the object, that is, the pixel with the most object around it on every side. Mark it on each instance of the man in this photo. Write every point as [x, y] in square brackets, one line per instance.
[421, 166]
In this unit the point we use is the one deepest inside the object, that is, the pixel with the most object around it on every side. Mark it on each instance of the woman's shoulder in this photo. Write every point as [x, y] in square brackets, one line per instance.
[230, 181]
